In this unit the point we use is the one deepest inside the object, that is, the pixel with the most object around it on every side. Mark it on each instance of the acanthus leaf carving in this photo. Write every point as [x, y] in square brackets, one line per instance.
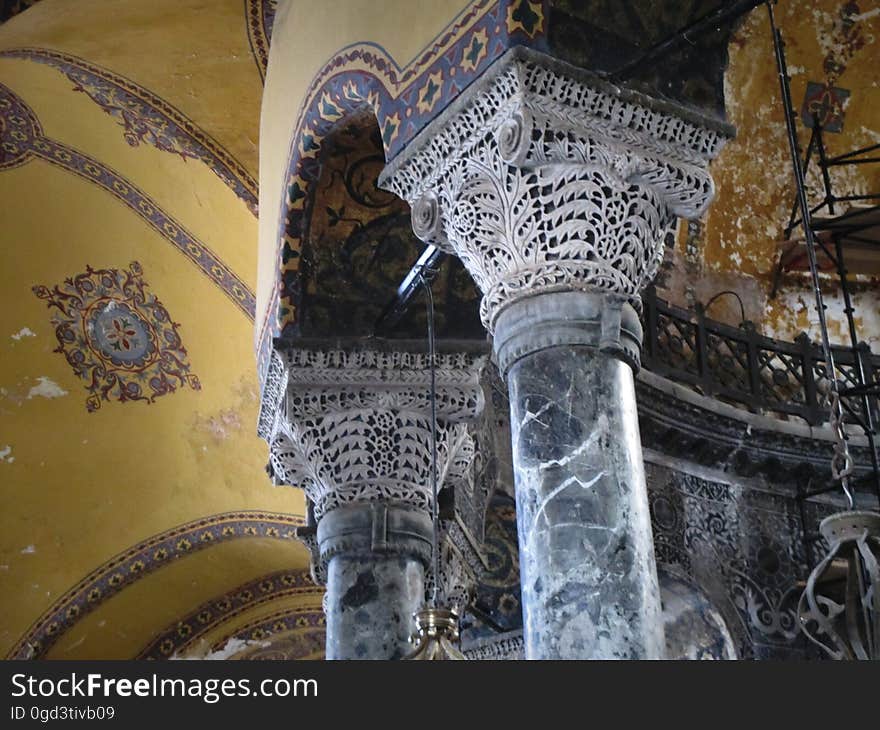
[354, 426]
[543, 179]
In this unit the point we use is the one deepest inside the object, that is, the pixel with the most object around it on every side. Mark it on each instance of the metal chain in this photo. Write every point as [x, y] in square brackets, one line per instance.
[841, 461]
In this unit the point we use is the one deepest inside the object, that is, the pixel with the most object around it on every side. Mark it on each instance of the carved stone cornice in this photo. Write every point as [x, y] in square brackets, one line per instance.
[544, 178]
[677, 421]
[352, 424]
[506, 646]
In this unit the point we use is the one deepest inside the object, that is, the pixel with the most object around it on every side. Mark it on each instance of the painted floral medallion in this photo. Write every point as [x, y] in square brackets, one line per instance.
[117, 336]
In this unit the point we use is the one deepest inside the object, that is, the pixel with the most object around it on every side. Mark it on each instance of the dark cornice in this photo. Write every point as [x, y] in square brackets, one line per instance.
[680, 422]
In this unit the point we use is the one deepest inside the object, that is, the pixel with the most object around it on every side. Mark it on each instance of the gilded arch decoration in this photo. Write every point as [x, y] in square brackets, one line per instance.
[403, 99]
[182, 634]
[285, 635]
[260, 16]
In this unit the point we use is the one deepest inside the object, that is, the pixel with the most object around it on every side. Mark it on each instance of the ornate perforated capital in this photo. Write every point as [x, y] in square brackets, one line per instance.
[353, 425]
[543, 178]
[458, 581]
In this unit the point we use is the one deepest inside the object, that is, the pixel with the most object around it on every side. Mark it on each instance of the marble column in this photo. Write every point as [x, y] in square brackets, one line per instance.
[558, 192]
[589, 583]
[376, 556]
[351, 426]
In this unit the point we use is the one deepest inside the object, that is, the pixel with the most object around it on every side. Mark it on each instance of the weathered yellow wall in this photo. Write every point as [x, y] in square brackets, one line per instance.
[827, 41]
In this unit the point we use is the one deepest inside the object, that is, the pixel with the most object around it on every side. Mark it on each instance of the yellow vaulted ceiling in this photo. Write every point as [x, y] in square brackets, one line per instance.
[128, 230]
[194, 54]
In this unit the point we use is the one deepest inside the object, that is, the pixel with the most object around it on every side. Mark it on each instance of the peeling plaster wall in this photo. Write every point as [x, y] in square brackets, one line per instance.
[734, 246]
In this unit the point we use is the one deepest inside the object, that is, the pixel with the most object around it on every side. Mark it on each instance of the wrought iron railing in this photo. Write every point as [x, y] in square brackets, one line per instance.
[740, 366]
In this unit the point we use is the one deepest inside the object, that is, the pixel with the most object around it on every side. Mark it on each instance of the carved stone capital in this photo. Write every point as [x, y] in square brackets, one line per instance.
[541, 177]
[308, 536]
[352, 424]
[460, 560]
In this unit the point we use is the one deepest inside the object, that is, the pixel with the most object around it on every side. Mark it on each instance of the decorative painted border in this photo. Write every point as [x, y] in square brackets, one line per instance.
[142, 559]
[163, 223]
[19, 130]
[147, 118]
[29, 142]
[282, 622]
[404, 100]
[211, 614]
[260, 17]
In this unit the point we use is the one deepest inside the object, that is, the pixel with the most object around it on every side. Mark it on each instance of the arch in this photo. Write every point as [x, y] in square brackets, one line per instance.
[358, 245]
[404, 97]
[146, 118]
[22, 140]
[180, 636]
[695, 628]
[260, 17]
[286, 635]
[140, 560]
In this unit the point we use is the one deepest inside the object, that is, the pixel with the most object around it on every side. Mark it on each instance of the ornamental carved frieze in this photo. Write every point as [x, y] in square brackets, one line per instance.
[544, 178]
[354, 425]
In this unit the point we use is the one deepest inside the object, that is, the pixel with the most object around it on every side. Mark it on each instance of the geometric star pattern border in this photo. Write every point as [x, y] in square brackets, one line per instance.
[404, 99]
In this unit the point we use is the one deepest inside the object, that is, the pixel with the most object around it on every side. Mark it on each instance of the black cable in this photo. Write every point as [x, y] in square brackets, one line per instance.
[806, 223]
[435, 512]
[742, 309]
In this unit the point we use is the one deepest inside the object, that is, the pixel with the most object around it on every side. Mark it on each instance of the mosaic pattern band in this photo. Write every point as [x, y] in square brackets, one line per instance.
[260, 16]
[182, 634]
[285, 635]
[146, 118]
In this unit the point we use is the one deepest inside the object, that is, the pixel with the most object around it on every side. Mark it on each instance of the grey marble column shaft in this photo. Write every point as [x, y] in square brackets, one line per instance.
[589, 580]
[376, 555]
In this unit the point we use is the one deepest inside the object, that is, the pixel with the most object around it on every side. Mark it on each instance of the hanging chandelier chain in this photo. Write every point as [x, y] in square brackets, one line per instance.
[841, 463]
[437, 627]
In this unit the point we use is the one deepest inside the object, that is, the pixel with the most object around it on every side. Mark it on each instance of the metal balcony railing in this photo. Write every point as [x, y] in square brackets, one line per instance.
[742, 367]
